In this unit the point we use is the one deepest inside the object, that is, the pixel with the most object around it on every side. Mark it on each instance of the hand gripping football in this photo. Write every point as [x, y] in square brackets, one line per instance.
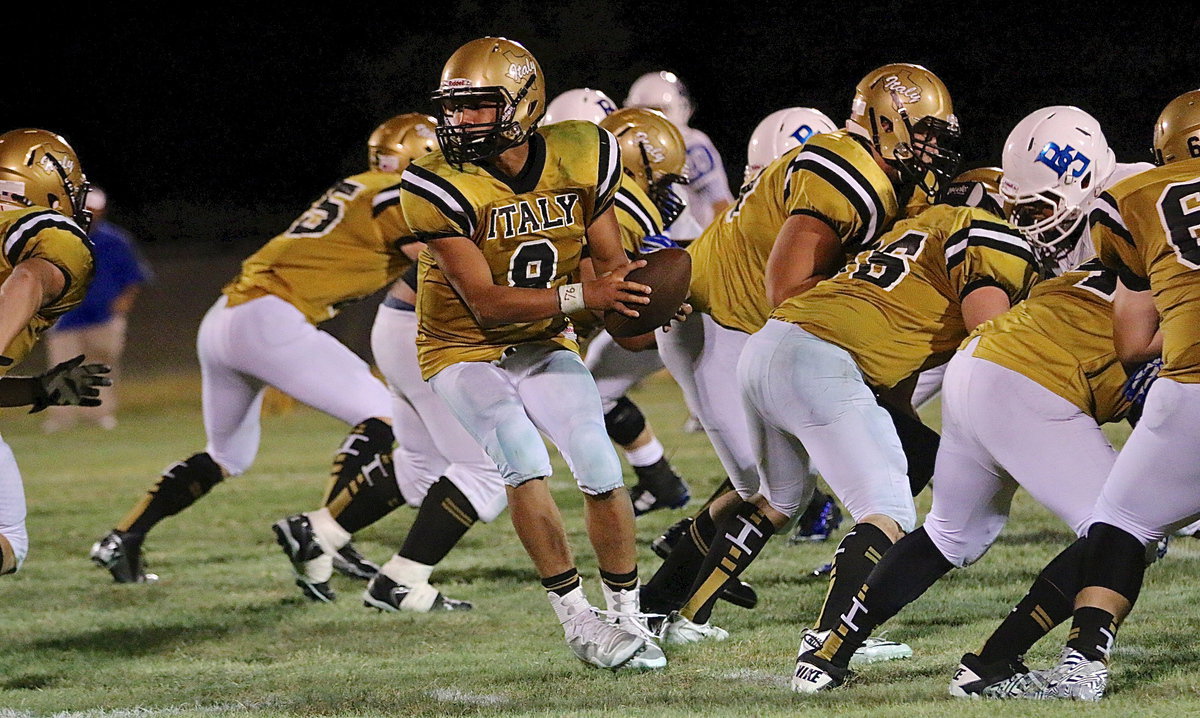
[669, 273]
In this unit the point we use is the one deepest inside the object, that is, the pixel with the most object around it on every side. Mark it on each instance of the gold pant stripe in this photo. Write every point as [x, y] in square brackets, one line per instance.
[830, 647]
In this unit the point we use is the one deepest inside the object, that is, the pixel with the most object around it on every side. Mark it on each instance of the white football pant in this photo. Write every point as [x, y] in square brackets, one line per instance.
[617, 369]
[809, 407]
[267, 341]
[703, 357]
[12, 504]
[503, 404]
[1154, 486]
[1001, 430]
[431, 443]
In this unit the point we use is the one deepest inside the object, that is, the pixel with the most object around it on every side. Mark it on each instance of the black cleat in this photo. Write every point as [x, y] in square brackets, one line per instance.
[658, 487]
[349, 562]
[386, 595]
[819, 520]
[663, 544]
[1003, 679]
[121, 554]
[309, 562]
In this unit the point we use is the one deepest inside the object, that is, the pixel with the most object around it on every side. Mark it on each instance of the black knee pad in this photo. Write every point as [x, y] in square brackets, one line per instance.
[625, 422]
[1115, 560]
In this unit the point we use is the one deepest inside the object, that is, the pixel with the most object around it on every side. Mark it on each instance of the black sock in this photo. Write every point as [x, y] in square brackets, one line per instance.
[444, 516]
[669, 586]
[1093, 632]
[1048, 603]
[365, 455]
[563, 583]
[906, 571]
[181, 485]
[856, 555]
[620, 581]
[362, 487]
[624, 422]
[739, 541]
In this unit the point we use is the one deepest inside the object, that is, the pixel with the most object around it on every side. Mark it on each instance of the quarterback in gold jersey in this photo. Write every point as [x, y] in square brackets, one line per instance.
[792, 224]
[506, 210]
[262, 332]
[46, 265]
[1145, 228]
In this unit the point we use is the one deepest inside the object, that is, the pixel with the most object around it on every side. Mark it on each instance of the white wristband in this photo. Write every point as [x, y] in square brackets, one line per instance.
[570, 298]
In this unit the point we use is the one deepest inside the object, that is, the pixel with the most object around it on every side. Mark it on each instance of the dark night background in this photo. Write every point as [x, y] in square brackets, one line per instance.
[212, 132]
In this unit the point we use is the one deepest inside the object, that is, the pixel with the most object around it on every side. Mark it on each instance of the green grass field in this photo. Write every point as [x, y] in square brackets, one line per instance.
[226, 632]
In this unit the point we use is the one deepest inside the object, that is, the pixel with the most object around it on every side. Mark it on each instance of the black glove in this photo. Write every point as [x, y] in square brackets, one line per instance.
[71, 383]
[5, 361]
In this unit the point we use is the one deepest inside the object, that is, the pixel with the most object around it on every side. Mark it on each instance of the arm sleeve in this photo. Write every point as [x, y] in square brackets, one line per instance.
[990, 254]
[56, 239]
[389, 217]
[638, 219]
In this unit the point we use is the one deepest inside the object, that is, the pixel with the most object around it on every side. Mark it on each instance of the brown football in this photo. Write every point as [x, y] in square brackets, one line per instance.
[669, 273]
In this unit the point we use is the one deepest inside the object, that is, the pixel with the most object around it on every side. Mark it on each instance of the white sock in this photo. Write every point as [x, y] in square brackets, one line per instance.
[645, 455]
[329, 532]
[406, 572]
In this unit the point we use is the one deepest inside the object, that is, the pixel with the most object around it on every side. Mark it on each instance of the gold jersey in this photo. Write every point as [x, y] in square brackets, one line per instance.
[530, 228]
[39, 233]
[831, 177]
[637, 215]
[346, 246]
[1062, 338]
[1147, 228]
[897, 309]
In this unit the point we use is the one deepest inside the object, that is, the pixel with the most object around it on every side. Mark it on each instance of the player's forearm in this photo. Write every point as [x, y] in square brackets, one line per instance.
[496, 305]
[17, 391]
[1136, 336]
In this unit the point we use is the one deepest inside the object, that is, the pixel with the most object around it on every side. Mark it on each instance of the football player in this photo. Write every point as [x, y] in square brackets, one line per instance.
[262, 332]
[582, 103]
[1145, 229]
[1022, 406]
[810, 377]
[779, 132]
[792, 225]
[439, 468]
[506, 210]
[708, 186]
[45, 268]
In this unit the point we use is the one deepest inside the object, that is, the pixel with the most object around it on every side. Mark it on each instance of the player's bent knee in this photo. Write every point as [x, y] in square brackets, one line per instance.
[624, 422]
[956, 553]
[597, 469]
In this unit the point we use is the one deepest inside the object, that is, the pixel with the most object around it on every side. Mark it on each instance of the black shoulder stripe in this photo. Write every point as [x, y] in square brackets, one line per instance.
[852, 184]
[27, 227]
[1107, 216]
[384, 198]
[608, 173]
[441, 193]
[629, 204]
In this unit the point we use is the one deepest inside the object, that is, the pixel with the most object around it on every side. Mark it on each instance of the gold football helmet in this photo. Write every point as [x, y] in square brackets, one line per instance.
[653, 153]
[979, 187]
[905, 112]
[400, 140]
[488, 73]
[1177, 132]
[39, 169]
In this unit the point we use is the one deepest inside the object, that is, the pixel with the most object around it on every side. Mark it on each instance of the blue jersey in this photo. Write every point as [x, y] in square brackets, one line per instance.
[117, 267]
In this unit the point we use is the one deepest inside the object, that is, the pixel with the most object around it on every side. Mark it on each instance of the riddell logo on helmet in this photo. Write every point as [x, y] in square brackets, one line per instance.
[892, 83]
[455, 82]
[519, 67]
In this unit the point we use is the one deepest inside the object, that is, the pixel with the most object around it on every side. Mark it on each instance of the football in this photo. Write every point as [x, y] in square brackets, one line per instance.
[669, 273]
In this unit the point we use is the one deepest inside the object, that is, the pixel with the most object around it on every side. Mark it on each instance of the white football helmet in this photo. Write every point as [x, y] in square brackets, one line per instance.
[1056, 162]
[781, 131]
[664, 92]
[582, 103]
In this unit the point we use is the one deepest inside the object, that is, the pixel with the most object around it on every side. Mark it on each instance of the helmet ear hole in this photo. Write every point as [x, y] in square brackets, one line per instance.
[1086, 182]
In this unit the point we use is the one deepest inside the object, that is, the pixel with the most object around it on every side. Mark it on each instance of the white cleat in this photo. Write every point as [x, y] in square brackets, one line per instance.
[813, 675]
[1076, 678]
[679, 630]
[594, 641]
[624, 612]
[873, 650]
[1005, 679]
